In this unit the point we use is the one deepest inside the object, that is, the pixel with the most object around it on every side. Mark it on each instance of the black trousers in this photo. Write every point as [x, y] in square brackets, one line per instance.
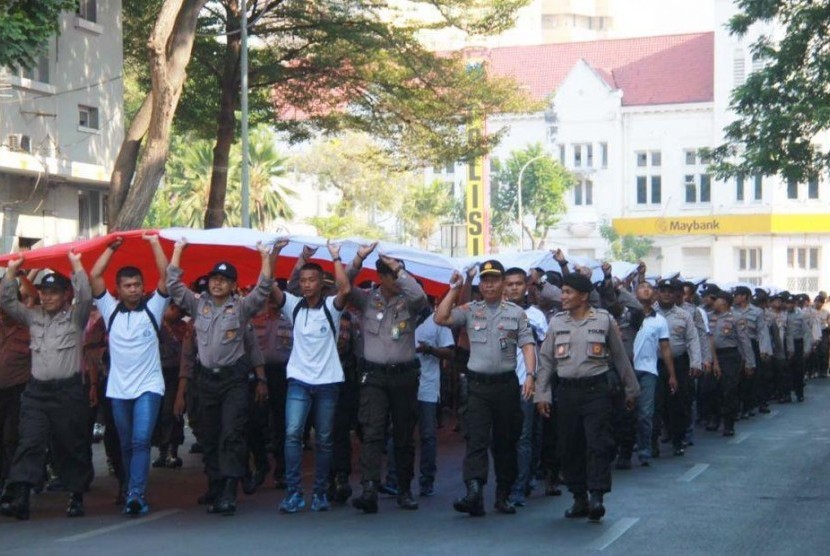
[822, 352]
[492, 421]
[277, 392]
[54, 414]
[586, 440]
[796, 363]
[730, 366]
[9, 422]
[625, 426]
[345, 420]
[749, 384]
[223, 418]
[257, 430]
[169, 429]
[395, 395]
[549, 461]
[678, 406]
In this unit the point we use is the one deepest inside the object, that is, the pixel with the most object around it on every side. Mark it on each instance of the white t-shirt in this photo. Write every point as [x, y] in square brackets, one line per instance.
[314, 358]
[536, 321]
[135, 361]
[647, 343]
[429, 388]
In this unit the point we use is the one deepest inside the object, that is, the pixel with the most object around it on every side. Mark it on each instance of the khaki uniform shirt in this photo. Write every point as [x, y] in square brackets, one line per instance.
[220, 329]
[752, 320]
[582, 349]
[683, 334]
[56, 340]
[726, 334]
[495, 332]
[275, 336]
[388, 325]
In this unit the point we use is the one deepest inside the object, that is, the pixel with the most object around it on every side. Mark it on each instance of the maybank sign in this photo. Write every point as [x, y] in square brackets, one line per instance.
[725, 225]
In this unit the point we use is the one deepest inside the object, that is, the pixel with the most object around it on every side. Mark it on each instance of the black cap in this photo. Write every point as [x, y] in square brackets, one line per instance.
[669, 283]
[785, 296]
[578, 282]
[224, 269]
[742, 290]
[55, 280]
[711, 289]
[492, 266]
[761, 294]
[725, 295]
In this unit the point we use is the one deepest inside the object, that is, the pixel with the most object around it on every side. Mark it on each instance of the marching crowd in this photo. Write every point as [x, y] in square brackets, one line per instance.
[559, 378]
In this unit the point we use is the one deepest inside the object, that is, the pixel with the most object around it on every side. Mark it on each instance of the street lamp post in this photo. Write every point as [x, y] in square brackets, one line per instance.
[519, 187]
[243, 70]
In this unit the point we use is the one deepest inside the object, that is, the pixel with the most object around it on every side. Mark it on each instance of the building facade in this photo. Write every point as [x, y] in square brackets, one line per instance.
[631, 118]
[61, 125]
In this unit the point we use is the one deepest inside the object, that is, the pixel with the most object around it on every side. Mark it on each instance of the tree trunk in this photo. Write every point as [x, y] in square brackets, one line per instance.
[226, 120]
[124, 167]
[170, 46]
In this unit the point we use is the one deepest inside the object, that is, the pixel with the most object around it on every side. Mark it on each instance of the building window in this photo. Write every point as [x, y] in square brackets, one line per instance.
[584, 193]
[562, 155]
[603, 152]
[589, 156]
[450, 168]
[739, 188]
[577, 156]
[697, 183]
[739, 68]
[649, 186]
[87, 9]
[750, 258]
[758, 181]
[792, 189]
[802, 258]
[88, 117]
[812, 188]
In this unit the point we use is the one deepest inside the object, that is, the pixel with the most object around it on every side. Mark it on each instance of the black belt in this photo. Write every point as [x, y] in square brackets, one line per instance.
[391, 368]
[218, 372]
[584, 382]
[726, 351]
[487, 378]
[56, 384]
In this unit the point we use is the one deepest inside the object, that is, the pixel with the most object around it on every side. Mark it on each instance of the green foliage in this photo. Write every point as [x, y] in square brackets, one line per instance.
[25, 27]
[627, 247]
[424, 208]
[544, 185]
[781, 108]
[340, 226]
[182, 200]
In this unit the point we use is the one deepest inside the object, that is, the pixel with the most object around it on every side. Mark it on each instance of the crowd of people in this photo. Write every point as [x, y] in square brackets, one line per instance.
[557, 377]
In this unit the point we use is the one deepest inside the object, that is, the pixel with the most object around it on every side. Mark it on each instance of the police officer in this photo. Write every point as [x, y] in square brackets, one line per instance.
[752, 320]
[733, 356]
[221, 318]
[581, 344]
[15, 370]
[493, 417]
[54, 406]
[685, 347]
[799, 340]
[389, 379]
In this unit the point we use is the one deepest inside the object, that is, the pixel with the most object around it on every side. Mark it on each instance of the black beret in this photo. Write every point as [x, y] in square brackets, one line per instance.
[578, 282]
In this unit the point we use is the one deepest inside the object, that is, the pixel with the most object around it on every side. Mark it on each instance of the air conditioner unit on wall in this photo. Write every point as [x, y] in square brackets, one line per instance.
[18, 142]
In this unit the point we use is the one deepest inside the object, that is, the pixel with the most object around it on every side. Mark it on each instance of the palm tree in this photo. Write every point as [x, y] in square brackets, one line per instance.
[424, 208]
[187, 181]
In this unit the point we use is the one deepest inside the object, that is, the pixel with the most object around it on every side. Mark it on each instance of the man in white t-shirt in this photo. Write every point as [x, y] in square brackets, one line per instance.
[314, 376]
[136, 383]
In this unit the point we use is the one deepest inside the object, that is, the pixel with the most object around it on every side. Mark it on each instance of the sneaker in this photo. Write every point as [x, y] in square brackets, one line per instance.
[319, 503]
[136, 505]
[98, 430]
[292, 503]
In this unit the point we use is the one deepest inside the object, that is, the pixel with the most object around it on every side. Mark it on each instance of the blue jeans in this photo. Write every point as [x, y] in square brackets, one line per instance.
[427, 431]
[524, 449]
[135, 420]
[645, 413]
[300, 400]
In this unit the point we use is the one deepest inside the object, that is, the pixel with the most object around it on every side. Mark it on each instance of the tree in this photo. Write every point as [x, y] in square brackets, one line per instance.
[627, 247]
[342, 65]
[340, 226]
[424, 208]
[25, 28]
[544, 184]
[784, 106]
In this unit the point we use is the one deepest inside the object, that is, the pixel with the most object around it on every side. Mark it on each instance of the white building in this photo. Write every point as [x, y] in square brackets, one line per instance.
[61, 125]
[632, 115]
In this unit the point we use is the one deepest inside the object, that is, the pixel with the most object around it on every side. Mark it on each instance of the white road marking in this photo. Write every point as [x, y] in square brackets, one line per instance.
[615, 532]
[126, 524]
[740, 438]
[692, 473]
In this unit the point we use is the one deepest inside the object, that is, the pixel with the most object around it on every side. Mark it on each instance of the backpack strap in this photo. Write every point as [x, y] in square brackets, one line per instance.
[121, 308]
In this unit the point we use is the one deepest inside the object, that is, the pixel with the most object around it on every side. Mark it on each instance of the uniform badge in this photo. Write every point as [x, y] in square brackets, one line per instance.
[205, 310]
[379, 316]
[596, 349]
[402, 326]
[230, 334]
[727, 330]
[560, 349]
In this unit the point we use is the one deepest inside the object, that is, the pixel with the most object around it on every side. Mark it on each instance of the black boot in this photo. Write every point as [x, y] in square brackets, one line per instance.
[579, 508]
[212, 493]
[595, 508]
[406, 501]
[18, 504]
[226, 503]
[342, 490]
[552, 484]
[76, 505]
[161, 460]
[368, 499]
[473, 502]
[503, 504]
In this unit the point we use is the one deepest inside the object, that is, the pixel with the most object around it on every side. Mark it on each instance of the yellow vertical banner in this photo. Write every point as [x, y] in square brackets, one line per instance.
[477, 199]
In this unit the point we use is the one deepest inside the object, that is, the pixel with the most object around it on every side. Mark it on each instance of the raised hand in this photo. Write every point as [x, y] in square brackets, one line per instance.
[279, 245]
[606, 269]
[558, 256]
[119, 241]
[334, 249]
[456, 280]
[308, 252]
[74, 256]
[366, 250]
[263, 249]
[180, 244]
[394, 264]
[14, 265]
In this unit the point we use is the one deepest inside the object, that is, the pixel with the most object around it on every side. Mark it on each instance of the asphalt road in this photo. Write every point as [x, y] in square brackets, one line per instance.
[765, 491]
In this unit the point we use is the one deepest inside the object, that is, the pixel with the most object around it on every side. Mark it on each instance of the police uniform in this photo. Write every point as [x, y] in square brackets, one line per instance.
[576, 359]
[15, 371]
[733, 350]
[798, 343]
[169, 433]
[54, 407]
[221, 376]
[752, 320]
[685, 344]
[389, 380]
[493, 415]
[781, 380]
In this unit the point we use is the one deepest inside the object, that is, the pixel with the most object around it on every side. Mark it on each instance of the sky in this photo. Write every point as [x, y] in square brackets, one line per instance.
[636, 18]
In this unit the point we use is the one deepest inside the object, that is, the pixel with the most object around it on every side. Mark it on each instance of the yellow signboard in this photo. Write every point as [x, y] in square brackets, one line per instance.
[724, 225]
[476, 207]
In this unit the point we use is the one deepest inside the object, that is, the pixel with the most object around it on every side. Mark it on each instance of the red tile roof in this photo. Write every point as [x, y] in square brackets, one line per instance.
[669, 69]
